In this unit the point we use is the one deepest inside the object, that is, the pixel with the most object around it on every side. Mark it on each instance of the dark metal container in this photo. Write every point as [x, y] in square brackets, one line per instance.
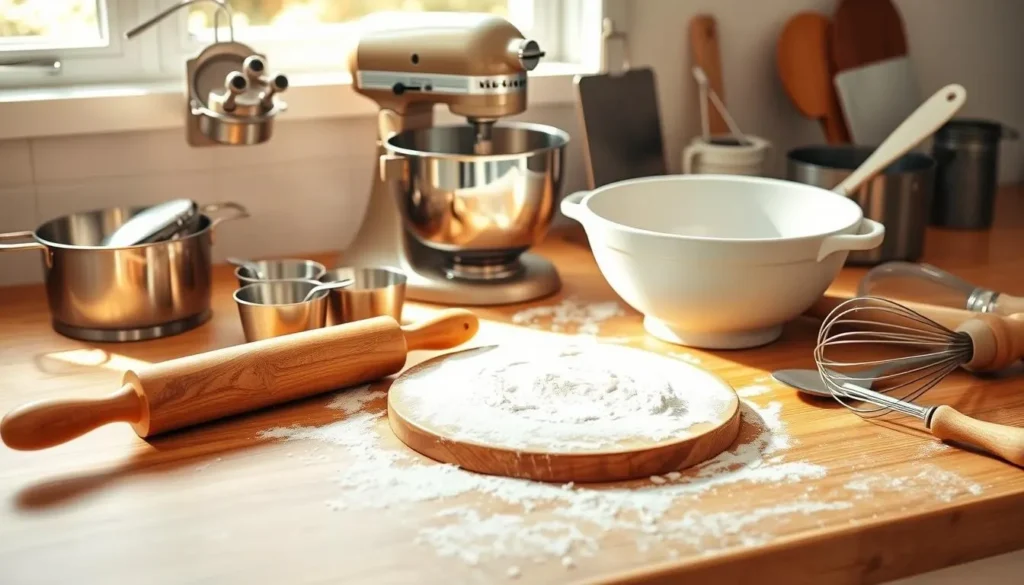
[967, 154]
[899, 197]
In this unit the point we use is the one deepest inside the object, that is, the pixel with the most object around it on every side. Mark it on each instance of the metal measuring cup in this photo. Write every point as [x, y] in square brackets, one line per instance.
[375, 291]
[277, 307]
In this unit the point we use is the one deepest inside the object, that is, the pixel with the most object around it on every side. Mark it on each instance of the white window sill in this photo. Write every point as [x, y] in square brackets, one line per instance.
[61, 111]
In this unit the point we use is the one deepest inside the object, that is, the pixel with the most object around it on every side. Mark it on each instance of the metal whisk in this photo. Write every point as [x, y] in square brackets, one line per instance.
[877, 343]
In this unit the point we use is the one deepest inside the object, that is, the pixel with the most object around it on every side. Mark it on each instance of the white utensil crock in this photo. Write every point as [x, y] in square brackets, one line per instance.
[725, 155]
[715, 261]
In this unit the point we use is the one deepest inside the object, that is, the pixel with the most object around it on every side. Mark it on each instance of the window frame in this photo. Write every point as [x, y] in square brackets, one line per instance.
[151, 95]
[119, 60]
[294, 56]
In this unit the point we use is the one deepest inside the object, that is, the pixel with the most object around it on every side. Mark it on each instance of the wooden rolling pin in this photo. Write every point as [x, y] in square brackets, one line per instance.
[199, 388]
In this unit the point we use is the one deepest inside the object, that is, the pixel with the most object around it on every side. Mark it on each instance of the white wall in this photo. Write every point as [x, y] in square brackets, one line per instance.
[307, 188]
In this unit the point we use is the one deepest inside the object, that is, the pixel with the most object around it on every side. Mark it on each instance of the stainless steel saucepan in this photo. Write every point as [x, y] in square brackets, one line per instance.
[130, 293]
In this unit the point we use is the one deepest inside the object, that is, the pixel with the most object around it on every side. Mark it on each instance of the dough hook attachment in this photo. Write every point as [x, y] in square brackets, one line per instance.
[232, 99]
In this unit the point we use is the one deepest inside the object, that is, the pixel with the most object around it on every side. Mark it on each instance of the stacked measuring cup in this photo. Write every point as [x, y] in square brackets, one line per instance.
[279, 297]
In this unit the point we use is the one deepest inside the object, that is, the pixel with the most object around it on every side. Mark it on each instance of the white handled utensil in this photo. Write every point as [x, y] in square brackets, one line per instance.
[702, 81]
[925, 120]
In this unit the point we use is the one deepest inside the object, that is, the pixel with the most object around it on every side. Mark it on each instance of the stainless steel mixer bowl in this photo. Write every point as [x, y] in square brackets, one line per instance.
[481, 208]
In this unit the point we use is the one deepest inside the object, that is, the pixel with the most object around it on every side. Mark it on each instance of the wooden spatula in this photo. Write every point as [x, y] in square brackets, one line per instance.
[802, 58]
[865, 32]
[704, 48]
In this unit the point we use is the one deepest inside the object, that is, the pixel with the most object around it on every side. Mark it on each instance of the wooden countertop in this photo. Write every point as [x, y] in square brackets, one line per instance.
[842, 500]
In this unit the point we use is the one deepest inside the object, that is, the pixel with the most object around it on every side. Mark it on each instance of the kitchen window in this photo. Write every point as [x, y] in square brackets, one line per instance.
[74, 42]
[67, 68]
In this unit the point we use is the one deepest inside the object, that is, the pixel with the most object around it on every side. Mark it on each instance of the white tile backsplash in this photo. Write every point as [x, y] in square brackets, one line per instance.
[70, 158]
[15, 163]
[296, 208]
[17, 214]
[334, 139]
[307, 189]
[56, 199]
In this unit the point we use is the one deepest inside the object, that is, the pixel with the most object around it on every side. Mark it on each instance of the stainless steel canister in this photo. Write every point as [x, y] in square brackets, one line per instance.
[899, 197]
[967, 154]
[129, 293]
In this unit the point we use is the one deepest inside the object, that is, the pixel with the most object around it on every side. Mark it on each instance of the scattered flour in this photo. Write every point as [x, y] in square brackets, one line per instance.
[686, 357]
[930, 480]
[932, 447]
[349, 405]
[753, 390]
[564, 397]
[570, 316]
[559, 522]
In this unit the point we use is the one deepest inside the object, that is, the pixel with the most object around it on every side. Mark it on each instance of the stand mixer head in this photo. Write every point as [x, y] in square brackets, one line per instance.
[455, 207]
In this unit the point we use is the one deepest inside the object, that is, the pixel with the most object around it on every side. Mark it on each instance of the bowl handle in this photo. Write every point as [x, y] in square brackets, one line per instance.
[571, 205]
[868, 240]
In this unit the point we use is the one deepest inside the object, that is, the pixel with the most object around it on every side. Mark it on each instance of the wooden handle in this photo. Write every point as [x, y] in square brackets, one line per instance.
[1003, 441]
[46, 423]
[948, 317]
[1007, 305]
[445, 330]
[998, 341]
[834, 122]
[704, 44]
[926, 119]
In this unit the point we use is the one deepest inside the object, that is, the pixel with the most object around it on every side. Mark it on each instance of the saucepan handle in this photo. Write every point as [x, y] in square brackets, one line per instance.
[23, 245]
[871, 236]
[571, 206]
[240, 212]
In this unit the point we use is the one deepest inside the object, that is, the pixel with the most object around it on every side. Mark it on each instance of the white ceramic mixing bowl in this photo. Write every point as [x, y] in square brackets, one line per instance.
[717, 261]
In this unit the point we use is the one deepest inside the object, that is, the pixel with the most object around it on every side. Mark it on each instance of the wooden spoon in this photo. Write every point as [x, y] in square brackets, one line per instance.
[865, 32]
[802, 57]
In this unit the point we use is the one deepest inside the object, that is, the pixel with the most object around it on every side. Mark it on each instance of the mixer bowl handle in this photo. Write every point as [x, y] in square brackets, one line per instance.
[571, 206]
[867, 240]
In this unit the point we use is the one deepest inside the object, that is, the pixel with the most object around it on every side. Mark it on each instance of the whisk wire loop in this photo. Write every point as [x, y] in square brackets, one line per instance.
[875, 326]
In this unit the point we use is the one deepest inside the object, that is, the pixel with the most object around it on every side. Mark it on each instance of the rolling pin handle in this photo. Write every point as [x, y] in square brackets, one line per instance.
[444, 330]
[46, 423]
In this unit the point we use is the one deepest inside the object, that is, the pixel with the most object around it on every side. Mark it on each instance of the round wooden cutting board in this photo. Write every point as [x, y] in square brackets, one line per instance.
[428, 388]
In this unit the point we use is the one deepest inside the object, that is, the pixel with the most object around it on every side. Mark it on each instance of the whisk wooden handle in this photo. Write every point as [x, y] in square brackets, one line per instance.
[998, 342]
[1003, 441]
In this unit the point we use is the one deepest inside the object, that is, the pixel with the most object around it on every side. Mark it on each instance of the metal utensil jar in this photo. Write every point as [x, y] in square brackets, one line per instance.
[967, 154]
[899, 197]
[100, 293]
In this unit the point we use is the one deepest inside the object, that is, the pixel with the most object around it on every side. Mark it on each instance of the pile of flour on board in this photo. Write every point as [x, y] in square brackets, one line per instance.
[564, 397]
[570, 316]
[566, 524]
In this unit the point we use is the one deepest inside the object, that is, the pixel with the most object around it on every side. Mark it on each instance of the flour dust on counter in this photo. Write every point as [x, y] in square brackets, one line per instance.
[551, 522]
[569, 316]
[519, 523]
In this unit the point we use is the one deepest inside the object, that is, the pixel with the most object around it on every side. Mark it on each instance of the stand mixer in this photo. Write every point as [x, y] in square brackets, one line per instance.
[455, 207]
